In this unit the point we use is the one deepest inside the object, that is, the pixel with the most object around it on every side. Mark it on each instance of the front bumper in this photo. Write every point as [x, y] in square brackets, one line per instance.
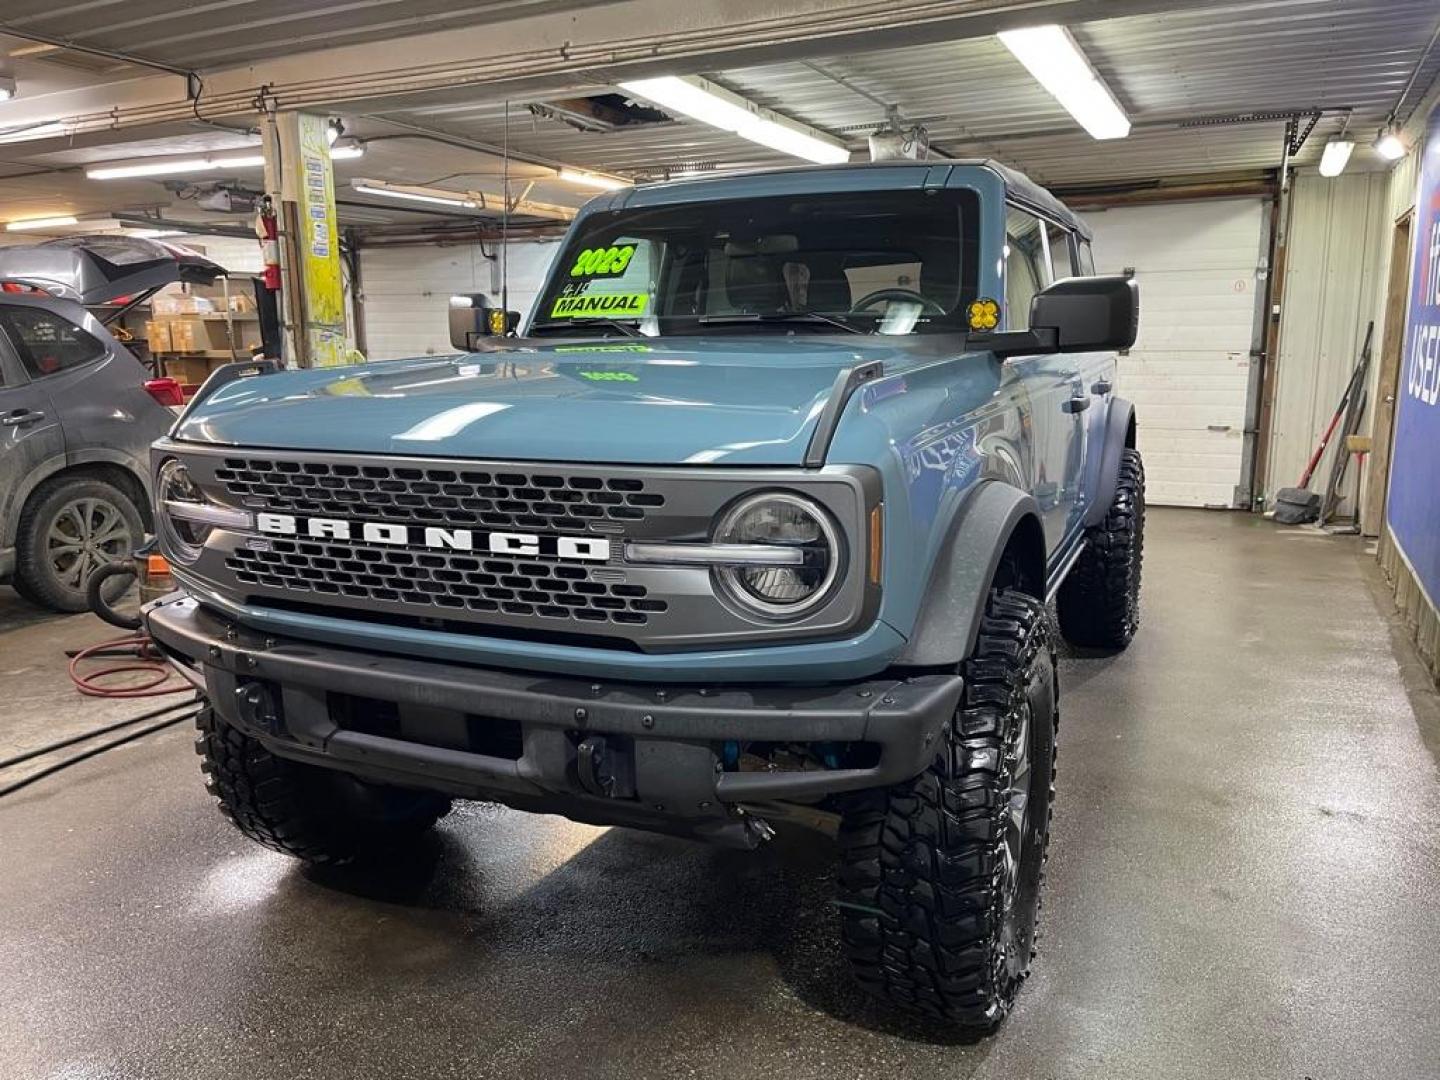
[519, 737]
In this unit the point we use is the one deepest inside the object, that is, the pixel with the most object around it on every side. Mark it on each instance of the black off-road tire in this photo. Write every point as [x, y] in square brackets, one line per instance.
[319, 815]
[1100, 601]
[937, 917]
[49, 508]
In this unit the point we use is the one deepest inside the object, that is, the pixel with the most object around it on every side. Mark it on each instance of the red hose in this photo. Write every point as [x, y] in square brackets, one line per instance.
[160, 672]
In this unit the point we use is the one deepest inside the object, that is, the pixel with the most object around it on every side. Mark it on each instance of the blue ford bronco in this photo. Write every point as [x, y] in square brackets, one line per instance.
[757, 521]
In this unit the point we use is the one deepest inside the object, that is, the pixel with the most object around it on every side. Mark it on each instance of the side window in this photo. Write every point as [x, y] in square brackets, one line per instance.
[1062, 259]
[47, 343]
[1027, 270]
[1087, 260]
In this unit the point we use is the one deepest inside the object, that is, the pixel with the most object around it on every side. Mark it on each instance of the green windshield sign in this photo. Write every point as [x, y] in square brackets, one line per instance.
[605, 306]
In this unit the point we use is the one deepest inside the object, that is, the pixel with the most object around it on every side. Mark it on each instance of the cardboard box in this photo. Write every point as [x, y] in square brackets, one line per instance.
[157, 334]
[190, 370]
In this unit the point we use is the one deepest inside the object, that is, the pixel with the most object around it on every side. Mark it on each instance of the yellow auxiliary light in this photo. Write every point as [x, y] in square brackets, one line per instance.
[495, 317]
[984, 314]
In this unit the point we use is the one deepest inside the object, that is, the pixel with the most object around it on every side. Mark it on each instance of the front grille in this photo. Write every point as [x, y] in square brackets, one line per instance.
[550, 500]
[445, 581]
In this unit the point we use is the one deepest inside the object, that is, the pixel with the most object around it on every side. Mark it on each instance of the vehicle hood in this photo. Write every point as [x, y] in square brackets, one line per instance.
[751, 400]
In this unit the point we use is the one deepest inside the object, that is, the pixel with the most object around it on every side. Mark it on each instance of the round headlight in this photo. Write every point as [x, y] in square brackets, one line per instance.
[184, 536]
[800, 530]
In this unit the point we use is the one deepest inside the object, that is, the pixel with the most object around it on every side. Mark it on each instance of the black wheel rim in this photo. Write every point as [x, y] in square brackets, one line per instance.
[84, 536]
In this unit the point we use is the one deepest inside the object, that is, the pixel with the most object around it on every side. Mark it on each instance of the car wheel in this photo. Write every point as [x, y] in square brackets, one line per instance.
[940, 876]
[319, 815]
[69, 529]
[1099, 603]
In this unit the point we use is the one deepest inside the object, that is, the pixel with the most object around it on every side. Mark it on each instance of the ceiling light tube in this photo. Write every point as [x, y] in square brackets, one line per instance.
[379, 187]
[714, 105]
[42, 223]
[1051, 56]
[207, 163]
[1336, 156]
[595, 180]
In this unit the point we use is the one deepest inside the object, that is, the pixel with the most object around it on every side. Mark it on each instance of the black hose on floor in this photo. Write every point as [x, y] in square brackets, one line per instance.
[92, 752]
[50, 748]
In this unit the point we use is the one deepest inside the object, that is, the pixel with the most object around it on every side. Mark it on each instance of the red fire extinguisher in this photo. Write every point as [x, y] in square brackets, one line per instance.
[268, 230]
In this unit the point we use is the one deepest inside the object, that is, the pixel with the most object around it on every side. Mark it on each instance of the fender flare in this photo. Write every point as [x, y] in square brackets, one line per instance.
[960, 578]
[1119, 436]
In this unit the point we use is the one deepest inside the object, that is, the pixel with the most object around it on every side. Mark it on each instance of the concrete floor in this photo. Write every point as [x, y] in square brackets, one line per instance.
[1245, 882]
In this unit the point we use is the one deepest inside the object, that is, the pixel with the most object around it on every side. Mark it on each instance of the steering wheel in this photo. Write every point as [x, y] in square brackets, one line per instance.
[896, 293]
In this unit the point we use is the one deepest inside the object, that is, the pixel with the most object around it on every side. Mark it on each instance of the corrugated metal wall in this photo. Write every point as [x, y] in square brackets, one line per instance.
[1334, 280]
[407, 290]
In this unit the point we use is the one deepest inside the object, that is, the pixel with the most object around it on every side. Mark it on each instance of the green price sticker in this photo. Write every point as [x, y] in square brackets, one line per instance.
[603, 261]
[602, 305]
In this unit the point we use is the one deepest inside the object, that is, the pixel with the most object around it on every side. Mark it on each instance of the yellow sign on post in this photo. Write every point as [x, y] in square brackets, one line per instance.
[310, 185]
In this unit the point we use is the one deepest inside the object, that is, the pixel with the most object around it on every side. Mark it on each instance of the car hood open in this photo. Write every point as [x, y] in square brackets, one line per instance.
[737, 399]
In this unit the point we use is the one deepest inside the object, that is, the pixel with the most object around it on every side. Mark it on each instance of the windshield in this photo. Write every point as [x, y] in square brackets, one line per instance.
[889, 262]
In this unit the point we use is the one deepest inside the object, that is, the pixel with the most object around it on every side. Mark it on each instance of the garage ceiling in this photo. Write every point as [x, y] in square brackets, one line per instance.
[1184, 73]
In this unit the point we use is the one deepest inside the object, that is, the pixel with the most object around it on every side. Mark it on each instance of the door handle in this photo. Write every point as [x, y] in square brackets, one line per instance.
[1076, 404]
[1102, 387]
[22, 417]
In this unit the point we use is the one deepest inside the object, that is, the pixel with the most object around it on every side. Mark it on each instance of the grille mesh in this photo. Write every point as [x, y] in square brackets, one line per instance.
[444, 581]
[434, 496]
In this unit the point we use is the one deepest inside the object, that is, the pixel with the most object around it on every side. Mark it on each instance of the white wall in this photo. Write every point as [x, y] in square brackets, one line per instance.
[1195, 264]
[1334, 283]
[407, 290]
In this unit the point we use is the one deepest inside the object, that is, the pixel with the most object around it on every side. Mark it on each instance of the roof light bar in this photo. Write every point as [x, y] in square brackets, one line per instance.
[1051, 56]
[710, 104]
[1336, 156]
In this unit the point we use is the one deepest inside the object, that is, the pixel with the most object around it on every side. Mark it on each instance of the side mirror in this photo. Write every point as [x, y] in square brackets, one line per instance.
[472, 319]
[1089, 314]
[1079, 314]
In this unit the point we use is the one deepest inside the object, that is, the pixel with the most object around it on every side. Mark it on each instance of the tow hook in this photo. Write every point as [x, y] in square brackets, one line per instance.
[604, 769]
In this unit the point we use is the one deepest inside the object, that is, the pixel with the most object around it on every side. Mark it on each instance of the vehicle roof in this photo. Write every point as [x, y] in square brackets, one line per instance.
[1018, 186]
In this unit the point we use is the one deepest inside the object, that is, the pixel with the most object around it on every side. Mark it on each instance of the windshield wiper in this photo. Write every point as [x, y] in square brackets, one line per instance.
[779, 317]
[589, 320]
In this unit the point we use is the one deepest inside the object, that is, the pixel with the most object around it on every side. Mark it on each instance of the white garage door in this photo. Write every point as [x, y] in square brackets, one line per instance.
[1187, 375]
[408, 290]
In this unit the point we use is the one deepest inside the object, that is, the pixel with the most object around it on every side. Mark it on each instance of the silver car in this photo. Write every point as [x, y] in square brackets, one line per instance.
[78, 412]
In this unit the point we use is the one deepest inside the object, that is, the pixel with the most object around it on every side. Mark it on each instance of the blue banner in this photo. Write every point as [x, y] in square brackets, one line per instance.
[1413, 509]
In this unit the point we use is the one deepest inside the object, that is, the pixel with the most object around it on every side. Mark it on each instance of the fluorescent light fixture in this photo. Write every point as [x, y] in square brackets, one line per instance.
[42, 223]
[1389, 145]
[152, 234]
[714, 105]
[27, 132]
[1051, 56]
[1336, 156]
[206, 163]
[595, 180]
[427, 195]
